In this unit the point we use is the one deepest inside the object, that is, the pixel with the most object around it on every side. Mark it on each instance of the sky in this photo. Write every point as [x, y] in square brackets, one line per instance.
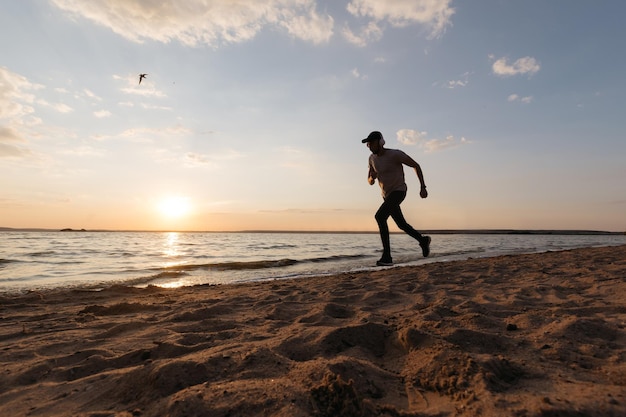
[252, 113]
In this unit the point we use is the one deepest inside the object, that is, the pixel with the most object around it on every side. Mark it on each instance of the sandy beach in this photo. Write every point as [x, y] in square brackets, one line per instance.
[522, 335]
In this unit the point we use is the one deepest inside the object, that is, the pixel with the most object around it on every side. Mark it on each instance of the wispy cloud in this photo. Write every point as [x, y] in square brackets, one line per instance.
[307, 24]
[146, 135]
[618, 202]
[219, 22]
[83, 151]
[369, 33]
[462, 81]
[90, 94]
[201, 22]
[131, 86]
[179, 157]
[415, 137]
[357, 74]
[201, 160]
[435, 15]
[16, 97]
[410, 136]
[515, 97]
[526, 65]
[309, 211]
[60, 107]
[449, 142]
[8, 134]
[10, 141]
[195, 160]
[101, 114]
[155, 107]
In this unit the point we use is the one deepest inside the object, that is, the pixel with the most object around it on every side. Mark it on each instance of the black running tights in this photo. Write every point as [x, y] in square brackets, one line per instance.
[391, 207]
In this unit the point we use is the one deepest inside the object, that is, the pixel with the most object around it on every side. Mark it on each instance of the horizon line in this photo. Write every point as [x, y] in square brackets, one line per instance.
[431, 231]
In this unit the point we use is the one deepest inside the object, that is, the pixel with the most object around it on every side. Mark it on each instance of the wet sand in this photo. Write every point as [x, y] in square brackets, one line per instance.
[521, 335]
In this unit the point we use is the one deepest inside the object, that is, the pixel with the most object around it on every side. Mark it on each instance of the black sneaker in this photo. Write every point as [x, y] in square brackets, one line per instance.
[384, 262]
[425, 244]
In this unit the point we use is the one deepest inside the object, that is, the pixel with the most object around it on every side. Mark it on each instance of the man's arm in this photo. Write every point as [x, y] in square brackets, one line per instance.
[420, 175]
[371, 176]
[407, 160]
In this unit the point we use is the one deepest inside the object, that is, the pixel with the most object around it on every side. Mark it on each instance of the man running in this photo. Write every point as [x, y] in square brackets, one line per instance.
[386, 165]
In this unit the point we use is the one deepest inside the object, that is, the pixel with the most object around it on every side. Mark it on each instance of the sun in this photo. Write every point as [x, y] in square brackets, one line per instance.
[174, 207]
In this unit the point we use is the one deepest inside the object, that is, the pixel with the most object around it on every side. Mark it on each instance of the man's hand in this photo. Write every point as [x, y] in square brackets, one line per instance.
[423, 192]
[371, 176]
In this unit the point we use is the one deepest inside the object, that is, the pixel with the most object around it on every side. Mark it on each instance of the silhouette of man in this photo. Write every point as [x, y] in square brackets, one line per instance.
[386, 165]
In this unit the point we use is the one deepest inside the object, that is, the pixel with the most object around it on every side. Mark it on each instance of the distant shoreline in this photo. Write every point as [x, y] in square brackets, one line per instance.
[431, 231]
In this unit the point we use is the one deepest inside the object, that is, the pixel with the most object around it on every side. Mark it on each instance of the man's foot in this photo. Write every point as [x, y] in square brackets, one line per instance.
[384, 262]
[425, 244]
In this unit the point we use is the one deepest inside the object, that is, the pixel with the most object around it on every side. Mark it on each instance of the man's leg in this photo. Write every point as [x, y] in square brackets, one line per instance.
[381, 216]
[395, 211]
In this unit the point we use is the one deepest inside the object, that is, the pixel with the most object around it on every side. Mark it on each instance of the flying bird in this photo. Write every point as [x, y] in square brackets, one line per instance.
[141, 77]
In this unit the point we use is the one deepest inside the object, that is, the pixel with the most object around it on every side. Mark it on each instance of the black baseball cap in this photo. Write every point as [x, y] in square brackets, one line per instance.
[375, 135]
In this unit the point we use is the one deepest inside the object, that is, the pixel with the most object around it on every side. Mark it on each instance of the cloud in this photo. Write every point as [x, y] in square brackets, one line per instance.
[145, 89]
[415, 137]
[218, 22]
[90, 94]
[132, 86]
[449, 142]
[60, 107]
[15, 96]
[146, 135]
[8, 150]
[515, 97]
[369, 33]
[101, 114]
[410, 136]
[194, 160]
[357, 74]
[16, 110]
[9, 138]
[8, 134]
[307, 211]
[83, 151]
[148, 106]
[310, 27]
[525, 65]
[203, 22]
[436, 15]
[617, 202]
[452, 84]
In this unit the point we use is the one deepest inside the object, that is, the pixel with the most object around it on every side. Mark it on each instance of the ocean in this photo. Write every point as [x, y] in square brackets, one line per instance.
[38, 260]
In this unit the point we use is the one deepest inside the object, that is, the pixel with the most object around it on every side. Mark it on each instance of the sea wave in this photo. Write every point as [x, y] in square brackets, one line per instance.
[65, 260]
[43, 253]
[257, 264]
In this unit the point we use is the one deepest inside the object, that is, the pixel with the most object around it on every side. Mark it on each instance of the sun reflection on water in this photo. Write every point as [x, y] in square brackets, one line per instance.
[171, 249]
[172, 253]
[174, 284]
